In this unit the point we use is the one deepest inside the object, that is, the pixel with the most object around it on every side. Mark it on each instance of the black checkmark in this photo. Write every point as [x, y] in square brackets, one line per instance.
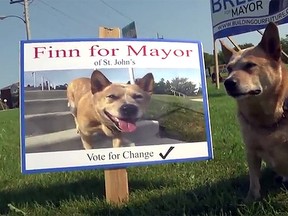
[167, 153]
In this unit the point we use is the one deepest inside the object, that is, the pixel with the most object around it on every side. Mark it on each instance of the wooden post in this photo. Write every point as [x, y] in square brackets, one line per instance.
[216, 65]
[116, 186]
[105, 32]
[116, 180]
[235, 45]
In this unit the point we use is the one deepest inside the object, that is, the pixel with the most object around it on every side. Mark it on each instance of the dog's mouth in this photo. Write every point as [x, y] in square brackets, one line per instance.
[240, 94]
[123, 125]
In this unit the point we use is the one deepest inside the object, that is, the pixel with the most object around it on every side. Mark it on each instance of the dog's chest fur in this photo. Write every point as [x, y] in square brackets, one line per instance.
[269, 144]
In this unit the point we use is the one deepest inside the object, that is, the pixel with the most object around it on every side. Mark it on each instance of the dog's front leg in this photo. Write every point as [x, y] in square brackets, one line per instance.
[73, 110]
[254, 165]
[86, 140]
[117, 141]
[77, 126]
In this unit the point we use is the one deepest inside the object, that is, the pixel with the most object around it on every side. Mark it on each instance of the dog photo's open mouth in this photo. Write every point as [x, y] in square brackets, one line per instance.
[239, 94]
[123, 125]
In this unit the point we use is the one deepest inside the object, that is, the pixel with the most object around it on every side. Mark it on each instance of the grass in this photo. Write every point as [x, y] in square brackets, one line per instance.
[176, 116]
[214, 187]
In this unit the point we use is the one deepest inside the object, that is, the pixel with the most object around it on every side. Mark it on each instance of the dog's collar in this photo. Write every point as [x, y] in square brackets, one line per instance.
[275, 124]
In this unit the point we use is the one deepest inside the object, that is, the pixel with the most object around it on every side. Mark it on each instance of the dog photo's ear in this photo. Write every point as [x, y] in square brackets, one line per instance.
[146, 83]
[270, 42]
[98, 82]
[227, 52]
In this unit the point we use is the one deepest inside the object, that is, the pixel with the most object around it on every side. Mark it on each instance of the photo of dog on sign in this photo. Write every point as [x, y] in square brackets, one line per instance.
[99, 105]
[109, 108]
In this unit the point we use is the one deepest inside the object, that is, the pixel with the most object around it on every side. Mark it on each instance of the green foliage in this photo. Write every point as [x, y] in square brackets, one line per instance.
[182, 85]
[208, 59]
[162, 87]
[176, 116]
[284, 42]
[246, 45]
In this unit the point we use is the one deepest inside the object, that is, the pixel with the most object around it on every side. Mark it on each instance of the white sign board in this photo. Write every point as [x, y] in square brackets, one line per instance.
[168, 124]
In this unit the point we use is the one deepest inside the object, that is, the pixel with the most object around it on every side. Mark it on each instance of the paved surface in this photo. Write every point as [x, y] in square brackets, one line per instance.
[197, 99]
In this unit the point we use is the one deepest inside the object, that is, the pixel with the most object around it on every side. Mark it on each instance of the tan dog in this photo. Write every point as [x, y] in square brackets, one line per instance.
[101, 106]
[258, 80]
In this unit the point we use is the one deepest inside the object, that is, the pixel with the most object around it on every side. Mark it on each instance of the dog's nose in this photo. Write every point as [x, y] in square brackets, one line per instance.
[230, 84]
[128, 110]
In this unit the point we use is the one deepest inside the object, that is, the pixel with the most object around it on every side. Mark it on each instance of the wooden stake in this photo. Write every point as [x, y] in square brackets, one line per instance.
[116, 184]
[235, 44]
[116, 180]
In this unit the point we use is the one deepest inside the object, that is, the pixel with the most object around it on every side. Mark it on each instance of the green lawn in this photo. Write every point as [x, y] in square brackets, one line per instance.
[214, 187]
[176, 116]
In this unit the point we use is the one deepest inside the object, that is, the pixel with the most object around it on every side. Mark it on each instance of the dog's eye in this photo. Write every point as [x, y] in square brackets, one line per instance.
[249, 65]
[137, 96]
[112, 96]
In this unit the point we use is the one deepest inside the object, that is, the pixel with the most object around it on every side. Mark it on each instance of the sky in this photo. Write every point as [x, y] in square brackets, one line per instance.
[54, 19]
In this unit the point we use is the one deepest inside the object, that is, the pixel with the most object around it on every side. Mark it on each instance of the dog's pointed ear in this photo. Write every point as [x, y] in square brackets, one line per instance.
[227, 51]
[98, 82]
[146, 83]
[270, 42]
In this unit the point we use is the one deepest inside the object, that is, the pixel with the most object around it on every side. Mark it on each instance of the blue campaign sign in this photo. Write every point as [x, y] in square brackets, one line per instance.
[111, 103]
[232, 17]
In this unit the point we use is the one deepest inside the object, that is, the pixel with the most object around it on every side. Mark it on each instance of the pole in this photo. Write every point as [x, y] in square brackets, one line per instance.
[27, 20]
[235, 45]
[34, 79]
[27, 26]
[28, 32]
[216, 65]
[42, 81]
[131, 75]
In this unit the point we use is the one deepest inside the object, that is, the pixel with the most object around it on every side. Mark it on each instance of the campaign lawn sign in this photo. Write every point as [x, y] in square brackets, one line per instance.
[175, 128]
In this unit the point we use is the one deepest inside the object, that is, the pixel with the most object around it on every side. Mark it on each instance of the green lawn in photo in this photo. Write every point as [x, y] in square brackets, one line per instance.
[215, 187]
[179, 118]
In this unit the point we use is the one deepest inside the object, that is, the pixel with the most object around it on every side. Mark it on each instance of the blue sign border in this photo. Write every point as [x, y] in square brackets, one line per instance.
[112, 166]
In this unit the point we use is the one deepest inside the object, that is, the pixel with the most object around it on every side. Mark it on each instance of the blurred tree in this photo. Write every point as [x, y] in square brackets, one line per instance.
[284, 43]
[183, 85]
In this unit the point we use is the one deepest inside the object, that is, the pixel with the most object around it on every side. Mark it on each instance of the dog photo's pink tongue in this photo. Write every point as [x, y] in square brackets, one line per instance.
[127, 126]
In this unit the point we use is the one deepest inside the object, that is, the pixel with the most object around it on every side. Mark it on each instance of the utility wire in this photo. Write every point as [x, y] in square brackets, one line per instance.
[123, 15]
[79, 22]
[117, 11]
[62, 13]
[54, 28]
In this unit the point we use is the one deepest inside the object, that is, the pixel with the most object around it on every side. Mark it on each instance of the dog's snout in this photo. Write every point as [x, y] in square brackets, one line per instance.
[128, 110]
[231, 84]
